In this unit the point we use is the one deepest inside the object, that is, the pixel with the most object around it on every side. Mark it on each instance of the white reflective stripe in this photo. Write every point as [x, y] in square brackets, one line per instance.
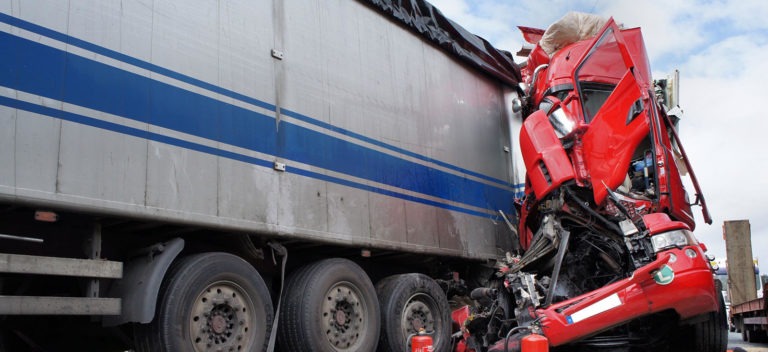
[598, 307]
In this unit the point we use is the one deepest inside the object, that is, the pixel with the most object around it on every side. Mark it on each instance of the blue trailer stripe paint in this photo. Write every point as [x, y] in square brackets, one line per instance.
[71, 117]
[389, 193]
[49, 72]
[88, 121]
[52, 73]
[13, 21]
[390, 147]
[311, 147]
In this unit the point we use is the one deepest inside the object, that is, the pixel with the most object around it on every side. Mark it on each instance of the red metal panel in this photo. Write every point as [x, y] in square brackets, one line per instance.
[638, 295]
[610, 142]
[660, 222]
[545, 159]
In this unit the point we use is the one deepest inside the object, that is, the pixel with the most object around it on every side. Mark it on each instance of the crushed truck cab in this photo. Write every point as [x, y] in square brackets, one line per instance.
[608, 257]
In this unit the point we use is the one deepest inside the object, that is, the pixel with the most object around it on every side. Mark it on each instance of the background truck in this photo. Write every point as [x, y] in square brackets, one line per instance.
[751, 318]
[721, 274]
[748, 313]
[165, 164]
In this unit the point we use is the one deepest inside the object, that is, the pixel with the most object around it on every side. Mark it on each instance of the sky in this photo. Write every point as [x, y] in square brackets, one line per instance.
[721, 51]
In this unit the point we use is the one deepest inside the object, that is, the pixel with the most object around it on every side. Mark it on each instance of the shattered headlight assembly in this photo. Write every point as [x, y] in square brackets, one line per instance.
[562, 123]
[672, 239]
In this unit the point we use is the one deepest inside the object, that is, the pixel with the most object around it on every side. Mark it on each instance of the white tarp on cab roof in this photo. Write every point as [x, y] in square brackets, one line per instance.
[571, 28]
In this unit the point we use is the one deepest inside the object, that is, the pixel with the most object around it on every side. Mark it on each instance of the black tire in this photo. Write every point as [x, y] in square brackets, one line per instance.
[329, 306]
[209, 301]
[409, 302]
[758, 334]
[751, 335]
[711, 334]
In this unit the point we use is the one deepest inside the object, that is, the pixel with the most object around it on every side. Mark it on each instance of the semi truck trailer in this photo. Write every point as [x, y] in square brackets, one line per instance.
[166, 164]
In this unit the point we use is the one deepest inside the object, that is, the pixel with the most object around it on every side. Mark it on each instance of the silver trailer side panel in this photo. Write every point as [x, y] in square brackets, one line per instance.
[316, 120]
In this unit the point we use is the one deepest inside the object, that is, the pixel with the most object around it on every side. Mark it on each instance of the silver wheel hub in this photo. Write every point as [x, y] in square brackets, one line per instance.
[343, 316]
[417, 314]
[221, 319]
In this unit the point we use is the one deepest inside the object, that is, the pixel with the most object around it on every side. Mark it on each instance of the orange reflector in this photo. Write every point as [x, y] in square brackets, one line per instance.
[46, 216]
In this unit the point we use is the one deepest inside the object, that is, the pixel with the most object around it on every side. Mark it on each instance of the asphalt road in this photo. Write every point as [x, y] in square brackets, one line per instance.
[734, 340]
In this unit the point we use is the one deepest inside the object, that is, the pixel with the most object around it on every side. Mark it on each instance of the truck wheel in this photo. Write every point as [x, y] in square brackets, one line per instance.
[329, 306]
[748, 335]
[209, 302]
[752, 335]
[711, 335]
[408, 303]
[759, 335]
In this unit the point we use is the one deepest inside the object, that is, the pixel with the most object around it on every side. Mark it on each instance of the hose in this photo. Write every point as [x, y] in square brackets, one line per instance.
[506, 339]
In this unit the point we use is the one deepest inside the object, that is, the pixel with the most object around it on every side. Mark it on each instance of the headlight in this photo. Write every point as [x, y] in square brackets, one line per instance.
[672, 239]
[562, 124]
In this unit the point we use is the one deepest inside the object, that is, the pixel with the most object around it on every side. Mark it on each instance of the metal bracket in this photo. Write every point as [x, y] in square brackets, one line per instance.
[277, 54]
[94, 252]
[279, 166]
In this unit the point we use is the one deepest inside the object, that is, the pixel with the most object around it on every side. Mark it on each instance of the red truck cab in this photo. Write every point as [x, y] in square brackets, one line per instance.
[609, 257]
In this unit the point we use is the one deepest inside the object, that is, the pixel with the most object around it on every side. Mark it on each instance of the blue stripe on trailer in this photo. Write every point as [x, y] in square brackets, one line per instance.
[88, 121]
[38, 69]
[13, 21]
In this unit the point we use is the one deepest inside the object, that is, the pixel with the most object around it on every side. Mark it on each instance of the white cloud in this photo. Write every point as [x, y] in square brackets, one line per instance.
[724, 132]
[665, 27]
